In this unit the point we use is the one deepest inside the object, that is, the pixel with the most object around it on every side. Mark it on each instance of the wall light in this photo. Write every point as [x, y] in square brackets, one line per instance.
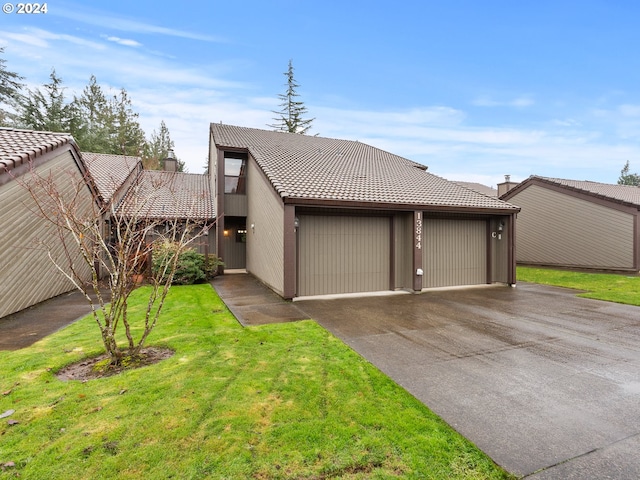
[226, 233]
[296, 222]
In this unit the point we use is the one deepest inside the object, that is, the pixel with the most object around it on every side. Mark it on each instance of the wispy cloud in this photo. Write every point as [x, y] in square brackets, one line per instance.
[112, 22]
[122, 41]
[518, 102]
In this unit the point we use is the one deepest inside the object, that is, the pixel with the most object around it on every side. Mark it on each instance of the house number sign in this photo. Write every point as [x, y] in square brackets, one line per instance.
[418, 223]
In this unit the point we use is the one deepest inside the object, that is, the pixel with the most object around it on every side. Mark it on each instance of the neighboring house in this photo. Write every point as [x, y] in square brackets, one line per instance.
[134, 192]
[27, 276]
[310, 215]
[579, 224]
[479, 187]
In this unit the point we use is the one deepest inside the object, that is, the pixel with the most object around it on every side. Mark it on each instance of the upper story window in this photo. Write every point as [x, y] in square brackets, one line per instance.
[235, 173]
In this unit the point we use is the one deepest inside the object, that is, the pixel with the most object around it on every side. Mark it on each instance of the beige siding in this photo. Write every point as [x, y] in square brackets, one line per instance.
[235, 205]
[27, 276]
[403, 237]
[339, 254]
[454, 252]
[557, 229]
[265, 242]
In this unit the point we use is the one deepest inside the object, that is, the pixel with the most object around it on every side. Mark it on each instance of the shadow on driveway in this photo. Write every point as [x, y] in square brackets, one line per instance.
[547, 384]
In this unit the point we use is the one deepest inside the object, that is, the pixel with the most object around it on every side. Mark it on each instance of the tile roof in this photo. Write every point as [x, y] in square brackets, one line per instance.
[479, 187]
[161, 194]
[109, 172]
[18, 147]
[628, 194]
[308, 167]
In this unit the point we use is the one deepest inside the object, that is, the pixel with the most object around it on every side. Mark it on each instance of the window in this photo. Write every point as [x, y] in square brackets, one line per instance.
[235, 173]
[241, 235]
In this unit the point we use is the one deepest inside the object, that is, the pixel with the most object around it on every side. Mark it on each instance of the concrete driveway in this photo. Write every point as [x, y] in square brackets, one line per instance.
[547, 384]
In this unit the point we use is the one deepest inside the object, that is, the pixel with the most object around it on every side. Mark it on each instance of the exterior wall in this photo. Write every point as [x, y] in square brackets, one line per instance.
[343, 254]
[454, 253]
[265, 240]
[499, 245]
[235, 252]
[235, 205]
[559, 229]
[27, 276]
[403, 243]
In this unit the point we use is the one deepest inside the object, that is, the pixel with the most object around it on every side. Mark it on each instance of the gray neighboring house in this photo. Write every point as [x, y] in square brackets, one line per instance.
[27, 276]
[578, 224]
[312, 215]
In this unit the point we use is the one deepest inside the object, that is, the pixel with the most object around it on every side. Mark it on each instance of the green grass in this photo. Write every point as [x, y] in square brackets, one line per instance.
[600, 286]
[286, 401]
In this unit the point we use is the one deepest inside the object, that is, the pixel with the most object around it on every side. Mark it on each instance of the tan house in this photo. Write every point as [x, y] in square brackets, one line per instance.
[579, 224]
[27, 276]
[310, 215]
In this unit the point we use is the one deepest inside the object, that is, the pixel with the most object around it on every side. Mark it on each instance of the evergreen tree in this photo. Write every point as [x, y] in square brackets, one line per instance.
[45, 109]
[627, 178]
[10, 88]
[291, 116]
[127, 137]
[95, 120]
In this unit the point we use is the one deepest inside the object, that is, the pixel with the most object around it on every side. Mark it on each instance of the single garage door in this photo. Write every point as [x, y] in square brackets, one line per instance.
[340, 254]
[455, 252]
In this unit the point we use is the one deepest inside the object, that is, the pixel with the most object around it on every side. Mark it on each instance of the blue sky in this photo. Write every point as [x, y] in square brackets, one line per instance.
[474, 90]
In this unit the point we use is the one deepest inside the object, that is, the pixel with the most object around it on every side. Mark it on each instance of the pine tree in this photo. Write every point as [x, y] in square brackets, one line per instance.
[127, 137]
[290, 117]
[45, 109]
[627, 178]
[157, 149]
[10, 88]
[95, 121]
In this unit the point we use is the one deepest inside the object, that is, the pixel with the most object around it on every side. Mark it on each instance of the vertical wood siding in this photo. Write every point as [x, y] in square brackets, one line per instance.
[500, 252]
[558, 229]
[340, 254]
[265, 244]
[403, 232]
[27, 276]
[454, 252]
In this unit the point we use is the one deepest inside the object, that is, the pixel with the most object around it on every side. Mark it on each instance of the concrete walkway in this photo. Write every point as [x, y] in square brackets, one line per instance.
[252, 302]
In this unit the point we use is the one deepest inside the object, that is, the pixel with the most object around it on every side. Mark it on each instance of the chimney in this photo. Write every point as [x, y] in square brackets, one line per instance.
[505, 186]
[170, 163]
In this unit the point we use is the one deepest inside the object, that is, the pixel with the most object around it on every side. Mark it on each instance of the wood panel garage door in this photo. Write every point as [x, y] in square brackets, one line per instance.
[339, 254]
[455, 252]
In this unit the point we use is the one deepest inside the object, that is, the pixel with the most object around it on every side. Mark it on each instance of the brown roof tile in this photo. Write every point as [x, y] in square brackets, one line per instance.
[160, 194]
[308, 167]
[18, 147]
[109, 172]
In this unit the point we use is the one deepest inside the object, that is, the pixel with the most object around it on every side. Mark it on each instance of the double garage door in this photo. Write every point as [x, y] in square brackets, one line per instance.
[346, 254]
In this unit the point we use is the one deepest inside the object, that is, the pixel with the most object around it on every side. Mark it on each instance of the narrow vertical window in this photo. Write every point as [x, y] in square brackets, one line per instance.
[235, 173]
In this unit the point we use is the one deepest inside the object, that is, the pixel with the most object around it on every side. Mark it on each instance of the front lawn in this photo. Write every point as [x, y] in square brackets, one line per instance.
[286, 401]
[600, 286]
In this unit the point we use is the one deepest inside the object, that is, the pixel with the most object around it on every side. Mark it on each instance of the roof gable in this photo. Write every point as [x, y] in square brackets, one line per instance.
[318, 168]
[19, 147]
[110, 172]
[623, 194]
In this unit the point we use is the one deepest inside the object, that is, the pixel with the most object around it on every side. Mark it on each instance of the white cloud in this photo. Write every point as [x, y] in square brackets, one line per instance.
[518, 102]
[123, 41]
[108, 21]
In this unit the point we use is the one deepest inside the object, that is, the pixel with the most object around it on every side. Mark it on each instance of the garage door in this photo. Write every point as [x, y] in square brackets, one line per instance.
[339, 254]
[454, 253]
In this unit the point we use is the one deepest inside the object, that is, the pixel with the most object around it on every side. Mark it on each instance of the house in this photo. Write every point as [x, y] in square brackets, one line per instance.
[110, 184]
[579, 224]
[27, 276]
[134, 192]
[479, 187]
[310, 215]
